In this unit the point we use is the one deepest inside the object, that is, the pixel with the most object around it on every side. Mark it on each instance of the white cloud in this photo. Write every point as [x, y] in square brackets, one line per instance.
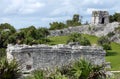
[46, 11]
[31, 8]
[67, 7]
[5, 20]
[64, 10]
[23, 6]
[55, 18]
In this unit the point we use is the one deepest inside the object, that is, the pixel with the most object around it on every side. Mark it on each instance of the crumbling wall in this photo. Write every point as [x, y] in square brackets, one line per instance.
[44, 56]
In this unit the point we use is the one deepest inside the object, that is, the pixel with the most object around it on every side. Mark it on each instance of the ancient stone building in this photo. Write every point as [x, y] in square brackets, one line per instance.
[45, 56]
[100, 17]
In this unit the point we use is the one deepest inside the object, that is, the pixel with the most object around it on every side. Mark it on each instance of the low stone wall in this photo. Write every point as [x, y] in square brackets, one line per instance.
[44, 56]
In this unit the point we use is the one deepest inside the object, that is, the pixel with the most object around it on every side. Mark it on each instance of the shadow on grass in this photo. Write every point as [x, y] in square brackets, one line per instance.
[111, 53]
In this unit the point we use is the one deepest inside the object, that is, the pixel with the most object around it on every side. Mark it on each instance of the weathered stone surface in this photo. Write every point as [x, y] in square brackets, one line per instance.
[44, 56]
[97, 30]
[100, 17]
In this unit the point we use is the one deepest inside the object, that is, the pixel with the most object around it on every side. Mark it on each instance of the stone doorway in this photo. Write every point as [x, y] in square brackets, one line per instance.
[103, 21]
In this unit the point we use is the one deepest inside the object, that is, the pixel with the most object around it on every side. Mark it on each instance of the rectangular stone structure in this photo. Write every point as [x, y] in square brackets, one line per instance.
[100, 17]
[45, 56]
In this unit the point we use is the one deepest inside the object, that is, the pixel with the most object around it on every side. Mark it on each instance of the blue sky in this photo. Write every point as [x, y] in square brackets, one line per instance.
[24, 13]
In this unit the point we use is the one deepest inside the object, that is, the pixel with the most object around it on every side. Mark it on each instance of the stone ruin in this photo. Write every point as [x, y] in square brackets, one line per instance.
[99, 26]
[100, 17]
[45, 56]
[97, 30]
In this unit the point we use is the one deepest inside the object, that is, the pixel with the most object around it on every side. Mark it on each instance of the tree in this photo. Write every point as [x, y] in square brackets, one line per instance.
[76, 21]
[11, 39]
[111, 18]
[31, 35]
[6, 30]
[3, 38]
[115, 17]
[42, 32]
[75, 17]
[69, 22]
[7, 27]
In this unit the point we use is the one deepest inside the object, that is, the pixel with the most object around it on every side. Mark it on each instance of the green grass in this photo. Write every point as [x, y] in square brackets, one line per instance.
[91, 38]
[63, 39]
[113, 55]
[58, 40]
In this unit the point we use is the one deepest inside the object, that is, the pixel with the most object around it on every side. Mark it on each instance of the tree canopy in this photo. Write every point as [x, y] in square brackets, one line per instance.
[115, 17]
[29, 35]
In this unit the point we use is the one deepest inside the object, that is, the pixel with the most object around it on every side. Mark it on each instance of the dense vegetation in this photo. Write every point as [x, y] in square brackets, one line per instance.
[115, 17]
[57, 25]
[29, 36]
[76, 21]
[9, 70]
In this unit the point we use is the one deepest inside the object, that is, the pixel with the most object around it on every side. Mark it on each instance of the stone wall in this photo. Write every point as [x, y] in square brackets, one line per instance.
[97, 30]
[44, 56]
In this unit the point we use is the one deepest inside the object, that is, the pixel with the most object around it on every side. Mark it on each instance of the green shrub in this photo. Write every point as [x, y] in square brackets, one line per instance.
[84, 41]
[106, 46]
[83, 69]
[80, 69]
[57, 75]
[37, 74]
[104, 42]
[110, 34]
[77, 37]
[2, 52]
[9, 70]
[97, 72]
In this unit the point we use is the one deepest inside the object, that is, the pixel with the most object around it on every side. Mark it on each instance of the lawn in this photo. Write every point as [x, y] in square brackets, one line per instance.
[113, 55]
[58, 40]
